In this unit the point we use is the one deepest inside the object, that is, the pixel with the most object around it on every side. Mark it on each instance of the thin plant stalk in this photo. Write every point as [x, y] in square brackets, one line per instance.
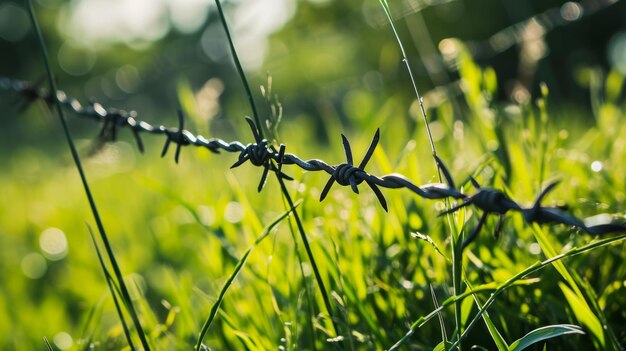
[455, 235]
[255, 113]
[408, 68]
[309, 253]
[48, 346]
[284, 190]
[83, 178]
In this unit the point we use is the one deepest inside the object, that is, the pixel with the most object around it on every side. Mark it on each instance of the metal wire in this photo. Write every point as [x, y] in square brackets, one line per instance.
[261, 153]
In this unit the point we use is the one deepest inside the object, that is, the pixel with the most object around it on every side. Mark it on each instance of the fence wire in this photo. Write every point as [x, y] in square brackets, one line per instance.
[262, 153]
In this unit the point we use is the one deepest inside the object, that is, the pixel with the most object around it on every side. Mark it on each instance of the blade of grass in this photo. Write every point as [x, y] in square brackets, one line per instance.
[245, 339]
[513, 281]
[592, 298]
[92, 204]
[538, 266]
[442, 324]
[493, 330]
[500, 342]
[543, 333]
[574, 281]
[352, 298]
[233, 275]
[112, 290]
[583, 313]
[90, 317]
[283, 187]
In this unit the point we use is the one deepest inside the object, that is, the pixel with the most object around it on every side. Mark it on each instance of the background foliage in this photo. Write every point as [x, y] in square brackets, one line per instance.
[178, 229]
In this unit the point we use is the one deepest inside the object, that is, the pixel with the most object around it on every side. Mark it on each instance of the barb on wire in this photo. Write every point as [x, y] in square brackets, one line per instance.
[544, 215]
[30, 95]
[347, 174]
[489, 201]
[261, 153]
[116, 119]
[493, 201]
[180, 136]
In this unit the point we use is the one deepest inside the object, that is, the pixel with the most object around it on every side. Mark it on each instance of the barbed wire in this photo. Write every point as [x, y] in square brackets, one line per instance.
[262, 153]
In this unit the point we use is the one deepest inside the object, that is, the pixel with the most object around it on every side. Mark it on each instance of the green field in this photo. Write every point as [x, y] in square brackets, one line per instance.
[179, 231]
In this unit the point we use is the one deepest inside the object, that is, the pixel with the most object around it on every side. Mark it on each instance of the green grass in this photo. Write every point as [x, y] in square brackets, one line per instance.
[182, 233]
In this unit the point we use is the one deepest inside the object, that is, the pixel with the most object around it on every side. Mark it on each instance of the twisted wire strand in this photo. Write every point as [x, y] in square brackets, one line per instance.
[263, 153]
[259, 153]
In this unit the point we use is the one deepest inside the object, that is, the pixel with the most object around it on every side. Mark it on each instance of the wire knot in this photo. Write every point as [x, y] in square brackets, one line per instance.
[490, 201]
[344, 174]
[259, 153]
[494, 201]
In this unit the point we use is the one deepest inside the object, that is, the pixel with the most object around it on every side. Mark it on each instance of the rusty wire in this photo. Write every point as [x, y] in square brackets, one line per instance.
[262, 153]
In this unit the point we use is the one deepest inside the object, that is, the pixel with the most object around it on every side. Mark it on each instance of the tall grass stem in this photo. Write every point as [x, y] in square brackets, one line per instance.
[283, 187]
[109, 280]
[83, 178]
[408, 68]
[457, 257]
[246, 85]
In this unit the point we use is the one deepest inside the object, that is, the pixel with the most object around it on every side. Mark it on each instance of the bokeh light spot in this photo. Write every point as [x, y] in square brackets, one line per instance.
[534, 249]
[188, 16]
[34, 265]
[63, 340]
[53, 243]
[596, 166]
[127, 78]
[76, 60]
[571, 11]
[233, 212]
[13, 22]
[130, 21]
[617, 51]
